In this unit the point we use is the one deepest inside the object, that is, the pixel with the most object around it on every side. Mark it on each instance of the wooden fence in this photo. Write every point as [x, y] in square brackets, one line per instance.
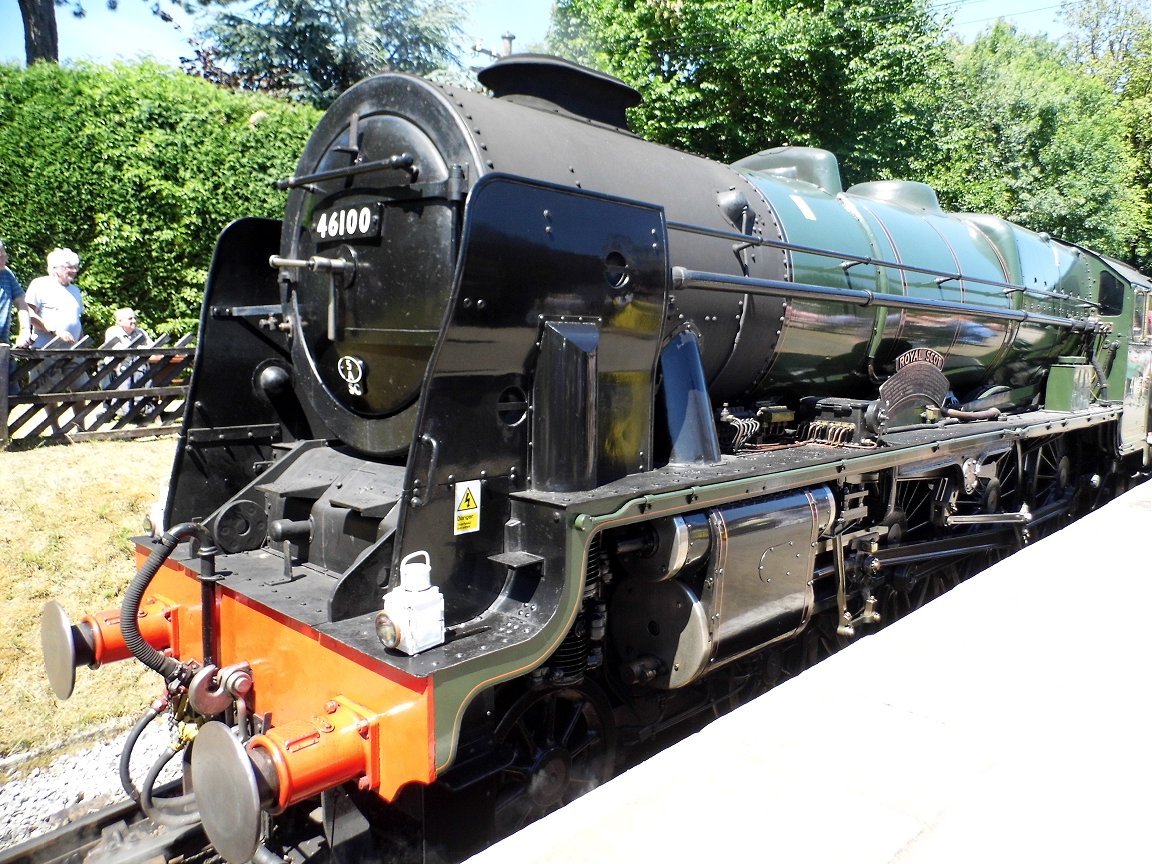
[85, 392]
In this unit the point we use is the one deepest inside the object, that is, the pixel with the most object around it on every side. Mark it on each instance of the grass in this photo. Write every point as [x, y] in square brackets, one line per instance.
[67, 516]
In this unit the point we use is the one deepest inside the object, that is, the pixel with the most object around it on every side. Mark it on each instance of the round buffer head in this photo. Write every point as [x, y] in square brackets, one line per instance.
[58, 646]
[227, 796]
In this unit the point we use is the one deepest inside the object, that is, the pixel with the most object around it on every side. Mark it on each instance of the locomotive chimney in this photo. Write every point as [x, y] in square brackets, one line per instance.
[553, 84]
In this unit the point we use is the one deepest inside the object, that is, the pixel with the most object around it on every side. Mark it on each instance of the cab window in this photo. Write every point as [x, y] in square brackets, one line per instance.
[1111, 294]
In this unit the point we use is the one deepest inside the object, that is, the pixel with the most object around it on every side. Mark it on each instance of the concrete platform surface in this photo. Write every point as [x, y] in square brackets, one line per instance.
[1008, 721]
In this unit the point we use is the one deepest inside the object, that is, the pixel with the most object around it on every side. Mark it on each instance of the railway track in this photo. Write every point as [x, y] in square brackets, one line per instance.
[117, 834]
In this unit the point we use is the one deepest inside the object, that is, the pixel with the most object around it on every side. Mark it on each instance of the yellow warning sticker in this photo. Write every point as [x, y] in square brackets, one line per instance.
[467, 509]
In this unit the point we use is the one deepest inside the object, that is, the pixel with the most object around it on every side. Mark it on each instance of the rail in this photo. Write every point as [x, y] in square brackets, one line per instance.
[848, 260]
[118, 829]
[684, 278]
[90, 392]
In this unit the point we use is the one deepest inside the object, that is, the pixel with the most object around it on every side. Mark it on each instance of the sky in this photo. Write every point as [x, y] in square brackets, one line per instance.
[132, 31]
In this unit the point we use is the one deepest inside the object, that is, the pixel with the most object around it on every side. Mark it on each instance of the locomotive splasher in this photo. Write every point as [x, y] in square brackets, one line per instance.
[536, 440]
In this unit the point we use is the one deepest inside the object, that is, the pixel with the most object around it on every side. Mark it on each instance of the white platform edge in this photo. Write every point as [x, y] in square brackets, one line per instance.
[1009, 720]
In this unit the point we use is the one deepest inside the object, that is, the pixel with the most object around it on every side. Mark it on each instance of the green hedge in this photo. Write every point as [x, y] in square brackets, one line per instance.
[137, 168]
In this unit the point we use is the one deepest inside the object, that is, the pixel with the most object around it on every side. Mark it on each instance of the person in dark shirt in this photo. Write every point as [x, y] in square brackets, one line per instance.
[12, 295]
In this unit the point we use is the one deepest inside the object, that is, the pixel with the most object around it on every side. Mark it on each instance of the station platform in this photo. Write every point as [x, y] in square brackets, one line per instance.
[1007, 721]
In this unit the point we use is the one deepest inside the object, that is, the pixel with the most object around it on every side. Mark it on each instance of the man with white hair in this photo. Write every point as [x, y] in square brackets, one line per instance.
[55, 300]
[124, 334]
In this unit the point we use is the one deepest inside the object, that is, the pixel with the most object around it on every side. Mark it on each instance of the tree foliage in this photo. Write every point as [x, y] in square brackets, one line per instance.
[1008, 125]
[137, 168]
[1028, 137]
[316, 49]
[1112, 41]
[727, 78]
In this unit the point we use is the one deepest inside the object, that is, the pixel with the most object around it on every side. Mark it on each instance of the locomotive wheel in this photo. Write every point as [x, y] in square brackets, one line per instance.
[1048, 479]
[986, 559]
[895, 601]
[909, 594]
[820, 640]
[1003, 493]
[1113, 484]
[937, 583]
[998, 494]
[913, 512]
[1048, 472]
[564, 744]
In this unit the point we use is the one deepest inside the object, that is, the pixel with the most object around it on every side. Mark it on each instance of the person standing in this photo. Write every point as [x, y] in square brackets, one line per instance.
[124, 334]
[55, 304]
[55, 300]
[12, 295]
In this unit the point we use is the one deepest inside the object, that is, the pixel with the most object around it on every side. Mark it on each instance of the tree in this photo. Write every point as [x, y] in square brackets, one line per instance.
[1028, 137]
[139, 170]
[1111, 40]
[41, 42]
[40, 39]
[727, 78]
[316, 49]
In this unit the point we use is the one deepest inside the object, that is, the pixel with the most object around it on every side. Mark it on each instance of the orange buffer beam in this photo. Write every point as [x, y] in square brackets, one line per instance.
[298, 675]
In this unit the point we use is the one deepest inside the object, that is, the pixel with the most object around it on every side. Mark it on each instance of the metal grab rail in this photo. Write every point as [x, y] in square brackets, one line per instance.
[685, 278]
[849, 260]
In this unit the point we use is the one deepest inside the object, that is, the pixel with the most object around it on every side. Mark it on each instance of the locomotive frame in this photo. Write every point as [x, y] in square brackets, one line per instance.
[665, 432]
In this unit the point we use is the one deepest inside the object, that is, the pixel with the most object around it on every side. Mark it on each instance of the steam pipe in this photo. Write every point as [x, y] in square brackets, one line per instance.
[723, 282]
[171, 811]
[957, 414]
[167, 667]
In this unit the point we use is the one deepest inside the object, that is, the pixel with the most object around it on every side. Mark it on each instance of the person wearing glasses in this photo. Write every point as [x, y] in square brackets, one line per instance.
[55, 300]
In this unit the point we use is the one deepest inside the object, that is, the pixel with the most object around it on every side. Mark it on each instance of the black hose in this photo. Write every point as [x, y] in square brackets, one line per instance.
[130, 606]
[173, 812]
[266, 856]
[129, 745]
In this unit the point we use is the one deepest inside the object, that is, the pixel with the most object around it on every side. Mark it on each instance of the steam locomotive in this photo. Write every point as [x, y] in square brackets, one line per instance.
[521, 442]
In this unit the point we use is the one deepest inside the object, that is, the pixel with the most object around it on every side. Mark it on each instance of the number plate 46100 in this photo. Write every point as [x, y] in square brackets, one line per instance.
[348, 223]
